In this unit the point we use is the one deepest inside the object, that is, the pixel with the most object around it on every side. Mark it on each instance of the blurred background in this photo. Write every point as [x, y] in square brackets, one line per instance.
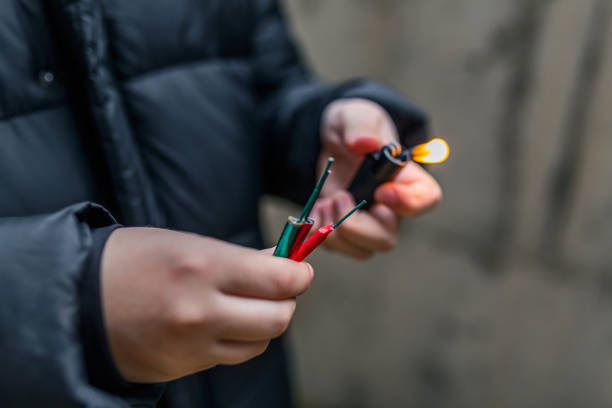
[503, 296]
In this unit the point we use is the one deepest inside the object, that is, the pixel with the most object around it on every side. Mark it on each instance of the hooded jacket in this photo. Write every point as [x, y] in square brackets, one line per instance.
[177, 114]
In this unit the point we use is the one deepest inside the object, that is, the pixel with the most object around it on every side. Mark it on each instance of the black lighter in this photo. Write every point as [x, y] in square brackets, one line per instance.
[376, 169]
[380, 167]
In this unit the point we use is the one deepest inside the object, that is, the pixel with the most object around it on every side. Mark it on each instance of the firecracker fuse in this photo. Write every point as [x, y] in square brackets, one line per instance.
[319, 236]
[297, 229]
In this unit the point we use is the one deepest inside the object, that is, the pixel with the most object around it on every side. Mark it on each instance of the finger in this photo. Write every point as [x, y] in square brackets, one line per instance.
[386, 216]
[367, 127]
[363, 229]
[262, 276]
[336, 243]
[326, 211]
[267, 251]
[322, 205]
[236, 352]
[248, 319]
[412, 192]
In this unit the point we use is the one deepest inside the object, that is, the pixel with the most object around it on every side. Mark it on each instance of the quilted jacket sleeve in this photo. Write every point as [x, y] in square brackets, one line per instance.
[292, 101]
[44, 261]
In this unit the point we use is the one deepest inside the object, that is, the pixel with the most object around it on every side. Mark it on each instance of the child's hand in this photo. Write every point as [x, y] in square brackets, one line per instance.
[351, 128]
[177, 303]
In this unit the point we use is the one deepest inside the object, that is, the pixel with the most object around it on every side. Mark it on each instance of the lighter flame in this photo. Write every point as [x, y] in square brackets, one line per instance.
[434, 151]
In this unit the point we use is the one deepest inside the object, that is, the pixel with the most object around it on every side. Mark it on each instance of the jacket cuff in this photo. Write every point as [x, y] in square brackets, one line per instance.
[300, 115]
[410, 121]
[101, 368]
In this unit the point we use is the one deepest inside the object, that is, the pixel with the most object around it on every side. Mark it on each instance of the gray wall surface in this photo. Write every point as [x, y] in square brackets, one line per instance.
[501, 297]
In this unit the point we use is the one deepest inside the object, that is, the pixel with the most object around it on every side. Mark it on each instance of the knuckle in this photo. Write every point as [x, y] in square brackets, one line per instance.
[336, 105]
[184, 316]
[365, 104]
[189, 263]
[332, 112]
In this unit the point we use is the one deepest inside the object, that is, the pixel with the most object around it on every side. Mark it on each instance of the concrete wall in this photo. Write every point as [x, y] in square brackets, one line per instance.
[502, 297]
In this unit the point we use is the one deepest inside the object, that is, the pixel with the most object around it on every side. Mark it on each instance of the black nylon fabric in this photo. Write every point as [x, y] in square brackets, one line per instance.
[42, 358]
[177, 114]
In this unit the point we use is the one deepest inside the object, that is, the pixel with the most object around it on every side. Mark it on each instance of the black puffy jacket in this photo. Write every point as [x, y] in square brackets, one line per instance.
[178, 114]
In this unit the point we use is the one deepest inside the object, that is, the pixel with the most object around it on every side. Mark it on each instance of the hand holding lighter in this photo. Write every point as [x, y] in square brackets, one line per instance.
[379, 167]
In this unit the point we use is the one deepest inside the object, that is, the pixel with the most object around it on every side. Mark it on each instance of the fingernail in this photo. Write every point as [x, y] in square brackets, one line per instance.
[387, 195]
[310, 269]
[365, 144]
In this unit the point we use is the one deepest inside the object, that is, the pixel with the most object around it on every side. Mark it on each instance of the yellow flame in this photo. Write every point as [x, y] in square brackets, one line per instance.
[434, 151]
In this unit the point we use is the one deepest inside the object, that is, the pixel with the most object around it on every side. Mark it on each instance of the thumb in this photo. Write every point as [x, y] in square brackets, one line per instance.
[361, 135]
[367, 127]
[412, 192]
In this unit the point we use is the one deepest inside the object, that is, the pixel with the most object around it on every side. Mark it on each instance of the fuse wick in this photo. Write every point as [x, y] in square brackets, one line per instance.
[341, 220]
[316, 192]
